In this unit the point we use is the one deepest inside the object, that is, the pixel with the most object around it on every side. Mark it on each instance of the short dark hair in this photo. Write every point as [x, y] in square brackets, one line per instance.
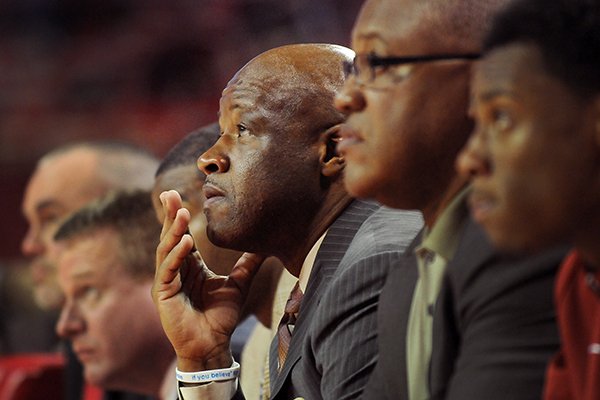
[567, 33]
[187, 151]
[131, 215]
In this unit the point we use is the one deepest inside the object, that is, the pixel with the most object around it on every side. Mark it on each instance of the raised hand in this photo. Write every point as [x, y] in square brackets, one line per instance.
[198, 309]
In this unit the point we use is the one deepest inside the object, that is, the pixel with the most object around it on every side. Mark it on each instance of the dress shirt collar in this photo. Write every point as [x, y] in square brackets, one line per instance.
[308, 263]
[444, 235]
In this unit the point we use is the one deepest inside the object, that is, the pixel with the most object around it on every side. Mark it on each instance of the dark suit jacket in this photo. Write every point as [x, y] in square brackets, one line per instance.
[334, 347]
[494, 324]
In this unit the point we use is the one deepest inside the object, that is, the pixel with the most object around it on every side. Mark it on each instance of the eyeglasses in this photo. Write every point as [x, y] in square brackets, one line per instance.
[370, 69]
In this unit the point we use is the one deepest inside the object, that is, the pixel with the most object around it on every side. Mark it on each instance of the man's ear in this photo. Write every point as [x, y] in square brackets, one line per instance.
[331, 162]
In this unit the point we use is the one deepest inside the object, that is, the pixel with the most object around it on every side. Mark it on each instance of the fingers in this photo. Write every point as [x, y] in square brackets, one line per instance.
[171, 202]
[170, 237]
[244, 271]
[165, 282]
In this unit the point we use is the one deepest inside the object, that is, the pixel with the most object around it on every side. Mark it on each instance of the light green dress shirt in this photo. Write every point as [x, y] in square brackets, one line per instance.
[436, 249]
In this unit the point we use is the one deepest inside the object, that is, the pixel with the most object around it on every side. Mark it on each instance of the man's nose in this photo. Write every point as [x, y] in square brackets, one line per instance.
[32, 244]
[350, 99]
[70, 322]
[473, 160]
[214, 159]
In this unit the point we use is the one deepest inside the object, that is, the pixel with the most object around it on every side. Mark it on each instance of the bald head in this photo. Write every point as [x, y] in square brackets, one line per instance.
[291, 83]
[116, 166]
[275, 159]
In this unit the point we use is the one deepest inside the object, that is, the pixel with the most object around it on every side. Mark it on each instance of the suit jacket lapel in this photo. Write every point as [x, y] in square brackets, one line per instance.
[332, 250]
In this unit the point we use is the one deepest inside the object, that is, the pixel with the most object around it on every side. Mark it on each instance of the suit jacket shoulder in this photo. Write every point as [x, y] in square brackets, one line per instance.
[494, 325]
[389, 378]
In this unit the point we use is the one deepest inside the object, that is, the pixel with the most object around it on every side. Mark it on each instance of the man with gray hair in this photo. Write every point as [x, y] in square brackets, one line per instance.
[64, 180]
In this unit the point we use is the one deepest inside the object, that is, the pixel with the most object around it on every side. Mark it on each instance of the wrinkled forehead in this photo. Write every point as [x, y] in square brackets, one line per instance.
[272, 91]
[264, 81]
[294, 68]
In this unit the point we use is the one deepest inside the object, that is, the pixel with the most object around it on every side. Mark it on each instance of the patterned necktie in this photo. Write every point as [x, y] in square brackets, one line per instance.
[286, 326]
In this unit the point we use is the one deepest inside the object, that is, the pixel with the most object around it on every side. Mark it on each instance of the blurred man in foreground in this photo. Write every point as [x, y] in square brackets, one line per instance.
[467, 329]
[535, 159]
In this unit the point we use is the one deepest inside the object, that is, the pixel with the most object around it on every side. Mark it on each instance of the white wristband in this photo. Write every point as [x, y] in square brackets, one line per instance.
[211, 375]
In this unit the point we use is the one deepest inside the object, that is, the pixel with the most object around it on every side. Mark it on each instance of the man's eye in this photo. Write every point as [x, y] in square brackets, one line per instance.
[501, 119]
[49, 218]
[241, 128]
[88, 293]
[49, 225]
[380, 69]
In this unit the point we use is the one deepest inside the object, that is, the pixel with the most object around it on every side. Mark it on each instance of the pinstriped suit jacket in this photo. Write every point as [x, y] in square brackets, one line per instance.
[334, 345]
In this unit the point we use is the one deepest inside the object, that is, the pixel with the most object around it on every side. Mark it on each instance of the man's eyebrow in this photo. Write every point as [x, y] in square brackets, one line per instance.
[496, 92]
[46, 204]
[372, 35]
[80, 275]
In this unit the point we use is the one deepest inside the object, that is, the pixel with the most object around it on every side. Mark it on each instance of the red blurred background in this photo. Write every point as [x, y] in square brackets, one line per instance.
[145, 71]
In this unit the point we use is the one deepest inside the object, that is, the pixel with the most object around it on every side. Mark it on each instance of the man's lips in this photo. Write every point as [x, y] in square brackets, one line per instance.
[212, 193]
[482, 205]
[83, 353]
[40, 270]
[347, 137]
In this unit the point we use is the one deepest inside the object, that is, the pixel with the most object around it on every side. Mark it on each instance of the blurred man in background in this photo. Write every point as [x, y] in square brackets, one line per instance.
[64, 180]
[106, 270]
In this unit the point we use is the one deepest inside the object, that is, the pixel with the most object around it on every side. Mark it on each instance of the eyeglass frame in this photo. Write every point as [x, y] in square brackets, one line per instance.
[373, 60]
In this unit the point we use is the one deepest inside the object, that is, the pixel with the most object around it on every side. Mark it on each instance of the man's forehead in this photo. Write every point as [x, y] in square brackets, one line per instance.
[89, 254]
[247, 101]
[400, 27]
[505, 66]
[62, 180]
[41, 196]
[75, 263]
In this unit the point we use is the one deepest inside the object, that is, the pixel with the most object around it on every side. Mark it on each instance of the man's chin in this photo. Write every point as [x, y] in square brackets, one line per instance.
[358, 184]
[48, 297]
[218, 238]
[95, 378]
[507, 241]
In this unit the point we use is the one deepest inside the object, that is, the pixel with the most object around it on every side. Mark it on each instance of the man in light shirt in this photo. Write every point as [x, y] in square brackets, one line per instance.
[457, 319]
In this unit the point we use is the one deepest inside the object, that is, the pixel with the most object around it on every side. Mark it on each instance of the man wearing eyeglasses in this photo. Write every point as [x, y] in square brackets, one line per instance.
[477, 324]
